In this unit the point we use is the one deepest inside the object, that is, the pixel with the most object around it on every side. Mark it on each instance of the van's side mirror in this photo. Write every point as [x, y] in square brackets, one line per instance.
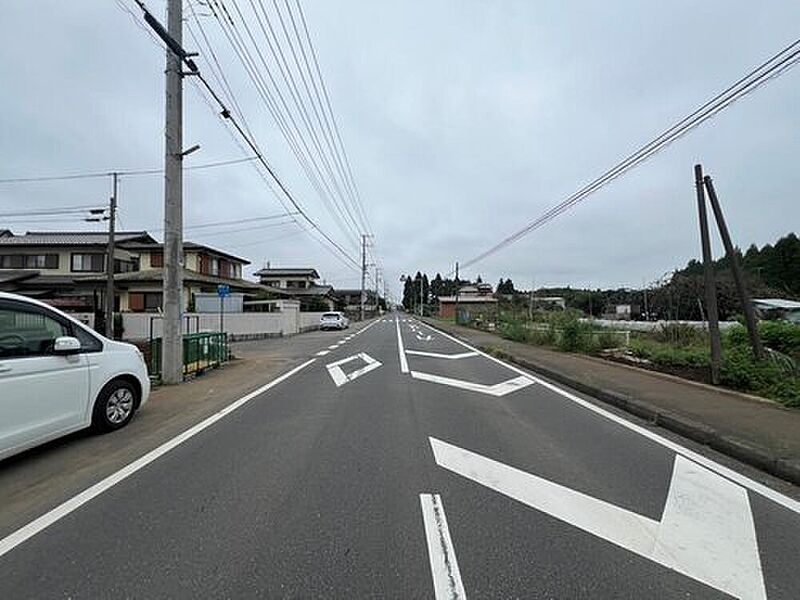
[66, 345]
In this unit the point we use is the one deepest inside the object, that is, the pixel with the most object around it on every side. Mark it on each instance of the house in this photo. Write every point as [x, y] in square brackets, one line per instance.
[472, 303]
[350, 301]
[68, 270]
[299, 284]
[777, 308]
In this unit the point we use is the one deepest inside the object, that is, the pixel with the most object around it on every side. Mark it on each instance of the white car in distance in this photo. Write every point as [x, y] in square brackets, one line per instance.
[333, 320]
[58, 376]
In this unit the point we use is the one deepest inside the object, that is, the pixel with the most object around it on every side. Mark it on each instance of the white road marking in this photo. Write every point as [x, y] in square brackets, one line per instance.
[422, 338]
[400, 350]
[722, 470]
[706, 531]
[334, 347]
[498, 389]
[323, 352]
[444, 566]
[340, 377]
[41, 523]
[447, 356]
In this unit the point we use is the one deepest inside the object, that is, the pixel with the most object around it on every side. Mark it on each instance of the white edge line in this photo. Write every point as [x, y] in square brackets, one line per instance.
[726, 472]
[446, 575]
[400, 350]
[41, 523]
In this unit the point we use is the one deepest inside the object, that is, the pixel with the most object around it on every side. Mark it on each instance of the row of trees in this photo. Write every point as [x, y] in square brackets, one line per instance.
[431, 290]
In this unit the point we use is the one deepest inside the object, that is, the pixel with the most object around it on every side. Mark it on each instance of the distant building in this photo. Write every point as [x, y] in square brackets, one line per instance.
[473, 302]
[299, 284]
[777, 308]
[350, 301]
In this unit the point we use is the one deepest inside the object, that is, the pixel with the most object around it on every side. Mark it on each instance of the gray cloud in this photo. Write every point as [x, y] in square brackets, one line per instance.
[463, 120]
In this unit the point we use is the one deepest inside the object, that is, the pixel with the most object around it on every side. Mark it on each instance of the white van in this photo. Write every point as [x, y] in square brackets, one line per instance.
[58, 376]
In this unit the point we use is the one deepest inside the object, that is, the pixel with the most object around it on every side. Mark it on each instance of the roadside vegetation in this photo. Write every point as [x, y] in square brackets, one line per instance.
[677, 349]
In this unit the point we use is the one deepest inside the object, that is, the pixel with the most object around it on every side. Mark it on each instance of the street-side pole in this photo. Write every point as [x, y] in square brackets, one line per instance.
[112, 218]
[221, 314]
[172, 344]
[530, 302]
[736, 268]
[363, 271]
[458, 287]
[421, 300]
[710, 285]
[377, 304]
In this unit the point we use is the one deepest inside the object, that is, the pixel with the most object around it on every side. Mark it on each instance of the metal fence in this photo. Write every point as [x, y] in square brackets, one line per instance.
[201, 351]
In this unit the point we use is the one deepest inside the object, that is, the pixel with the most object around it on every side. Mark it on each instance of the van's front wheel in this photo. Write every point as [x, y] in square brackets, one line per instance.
[114, 407]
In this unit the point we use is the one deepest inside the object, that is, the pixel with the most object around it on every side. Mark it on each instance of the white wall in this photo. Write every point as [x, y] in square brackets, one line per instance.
[310, 320]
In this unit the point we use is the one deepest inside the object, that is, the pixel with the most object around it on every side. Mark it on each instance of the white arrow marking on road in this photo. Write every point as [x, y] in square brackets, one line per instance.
[498, 389]
[437, 355]
[706, 531]
[338, 375]
[444, 566]
[423, 339]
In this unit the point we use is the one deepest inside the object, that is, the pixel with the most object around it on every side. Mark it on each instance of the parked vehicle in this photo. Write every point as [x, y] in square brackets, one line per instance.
[333, 320]
[58, 376]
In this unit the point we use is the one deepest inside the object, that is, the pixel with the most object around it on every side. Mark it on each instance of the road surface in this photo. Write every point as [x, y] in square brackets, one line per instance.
[396, 462]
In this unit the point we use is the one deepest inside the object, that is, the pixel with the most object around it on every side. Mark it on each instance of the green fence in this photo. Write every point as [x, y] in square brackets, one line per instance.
[201, 351]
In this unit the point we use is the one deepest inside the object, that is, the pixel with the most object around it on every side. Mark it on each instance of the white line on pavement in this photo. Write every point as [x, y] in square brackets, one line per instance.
[444, 566]
[706, 530]
[437, 355]
[727, 472]
[498, 389]
[322, 352]
[334, 347]
[340, 377]
[26, 532]
[403, 359]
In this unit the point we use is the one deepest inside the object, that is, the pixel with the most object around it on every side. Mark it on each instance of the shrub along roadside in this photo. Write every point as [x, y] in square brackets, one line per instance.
[682, 350]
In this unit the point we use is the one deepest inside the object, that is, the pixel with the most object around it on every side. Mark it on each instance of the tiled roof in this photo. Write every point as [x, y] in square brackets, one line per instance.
[70, 238]
[289, 271]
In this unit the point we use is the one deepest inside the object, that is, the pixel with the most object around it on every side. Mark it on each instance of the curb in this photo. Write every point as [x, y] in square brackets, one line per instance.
[761, 458]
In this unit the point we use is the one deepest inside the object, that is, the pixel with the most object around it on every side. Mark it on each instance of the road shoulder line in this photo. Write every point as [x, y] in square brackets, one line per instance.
[54, 515]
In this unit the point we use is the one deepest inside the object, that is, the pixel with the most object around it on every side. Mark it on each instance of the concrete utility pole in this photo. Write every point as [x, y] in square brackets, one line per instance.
[377, 304]
[112, 218]
[172, 342]
[363, 271]
[458, 287]
[736, 268]
[710, 285]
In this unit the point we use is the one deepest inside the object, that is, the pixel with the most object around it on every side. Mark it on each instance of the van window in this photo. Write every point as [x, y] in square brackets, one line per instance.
[27, 331]
[330, 316]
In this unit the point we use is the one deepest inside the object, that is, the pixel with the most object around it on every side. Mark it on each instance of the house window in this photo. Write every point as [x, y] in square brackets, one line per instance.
[29, 261]
[215, 267]
[156, 259]
[91, 263]
[144, 301]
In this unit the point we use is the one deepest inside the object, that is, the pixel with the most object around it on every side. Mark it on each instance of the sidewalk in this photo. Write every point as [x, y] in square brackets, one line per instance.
[758, 432]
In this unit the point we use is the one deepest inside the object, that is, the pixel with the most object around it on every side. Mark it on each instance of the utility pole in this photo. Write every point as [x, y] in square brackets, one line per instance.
[458, 287]
[112, 218]
[363, 271]
[377, 304]
[710, 285]
[646, 310]
[736, 268]
[172, 342]
[530, 302]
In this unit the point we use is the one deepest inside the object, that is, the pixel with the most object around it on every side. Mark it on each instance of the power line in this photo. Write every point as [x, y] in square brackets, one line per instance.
[330, 110]
[125, 173]
[281, 117]
[232, 119]
[52, 211]
[768, 70]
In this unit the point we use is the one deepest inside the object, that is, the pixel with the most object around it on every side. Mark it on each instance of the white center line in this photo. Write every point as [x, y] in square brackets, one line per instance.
[444, 566]
[403, 359]
[322, 352]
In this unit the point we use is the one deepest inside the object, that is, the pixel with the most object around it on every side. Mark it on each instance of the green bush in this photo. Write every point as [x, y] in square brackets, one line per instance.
[741, 371]
[576, 336]
[778, 335]
[669, 356]
[680, 334]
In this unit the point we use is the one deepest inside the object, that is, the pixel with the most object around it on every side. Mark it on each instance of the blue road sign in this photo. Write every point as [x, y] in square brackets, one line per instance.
[223, 290]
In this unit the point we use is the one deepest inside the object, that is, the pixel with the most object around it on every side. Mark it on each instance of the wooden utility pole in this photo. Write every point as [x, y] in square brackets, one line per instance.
[710, 285]
[112, 218]
[172, 342]
[458, 287]
[736, 268]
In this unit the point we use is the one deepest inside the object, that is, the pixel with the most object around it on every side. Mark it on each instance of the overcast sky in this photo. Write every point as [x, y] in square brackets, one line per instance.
[463, 120]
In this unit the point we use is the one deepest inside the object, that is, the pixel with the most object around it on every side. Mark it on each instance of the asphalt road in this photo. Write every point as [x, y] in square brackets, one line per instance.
[375, 471]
